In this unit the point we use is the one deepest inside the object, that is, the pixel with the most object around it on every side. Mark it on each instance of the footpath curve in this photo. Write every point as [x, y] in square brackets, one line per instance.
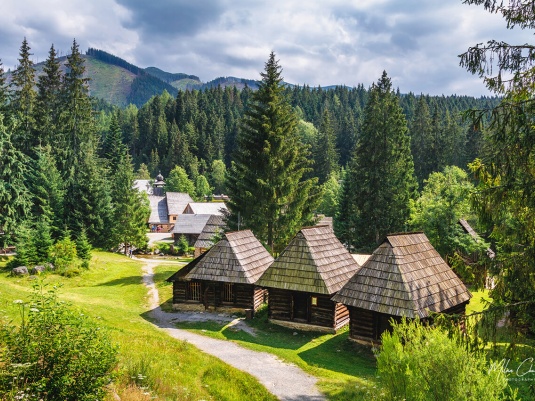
[286, 381]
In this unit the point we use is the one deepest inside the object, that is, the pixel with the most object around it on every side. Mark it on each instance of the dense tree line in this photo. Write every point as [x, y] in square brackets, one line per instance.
[57, 174]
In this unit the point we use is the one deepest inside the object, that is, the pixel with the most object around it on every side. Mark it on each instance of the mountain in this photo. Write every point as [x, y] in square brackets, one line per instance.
[120, 83]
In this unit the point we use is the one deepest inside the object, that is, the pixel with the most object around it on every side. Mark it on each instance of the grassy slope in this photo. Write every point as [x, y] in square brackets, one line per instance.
[111, 291]
[108, 81]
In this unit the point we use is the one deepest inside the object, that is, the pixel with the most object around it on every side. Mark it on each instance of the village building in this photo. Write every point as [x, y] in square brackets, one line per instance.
[302, 280]
[224, 277]
[212, 231]
[405, 276]
[190, 226]
[215, 208]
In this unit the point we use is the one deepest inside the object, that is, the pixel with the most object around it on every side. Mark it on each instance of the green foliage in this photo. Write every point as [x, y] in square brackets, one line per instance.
[331, 195]
[83, 247]
[444, 200]
[55, 353]
[178, 181]
[505, 197]
[131, 209]
[266, 185]
[324, 151]
[63, 254]
[202, 188]
[218, 176]
[143, 172]
[182, 246]
[418, 362]
[15, 199]
[380, 182]
[26, 247]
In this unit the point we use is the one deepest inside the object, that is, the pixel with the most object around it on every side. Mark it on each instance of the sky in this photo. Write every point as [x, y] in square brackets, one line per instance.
[317, 42]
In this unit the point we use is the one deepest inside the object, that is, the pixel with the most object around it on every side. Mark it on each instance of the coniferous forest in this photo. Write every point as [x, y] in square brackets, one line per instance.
[377, 160]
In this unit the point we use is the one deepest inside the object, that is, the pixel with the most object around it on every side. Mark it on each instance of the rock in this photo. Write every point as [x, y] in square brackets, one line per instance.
[295, 333]
[20, 271]
[50, 266]
[37, 269]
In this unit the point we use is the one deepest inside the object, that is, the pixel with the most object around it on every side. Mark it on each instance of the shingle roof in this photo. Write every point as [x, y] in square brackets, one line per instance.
[216, 208]
[238, 258]
[158, 210]
[181, 274]
[314, 261]
[405, 276]
[177, 202]
[214, 225]
[190, 223]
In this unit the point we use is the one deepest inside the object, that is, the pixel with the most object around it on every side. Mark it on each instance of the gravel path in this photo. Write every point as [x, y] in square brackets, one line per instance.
[287, 382]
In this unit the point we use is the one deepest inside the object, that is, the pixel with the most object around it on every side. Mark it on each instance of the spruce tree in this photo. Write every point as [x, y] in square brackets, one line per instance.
[48, 98]
[422, 140]
[23, 100]
[325, 155]
[15, 200]
[113, 148]
[4, 93]
[268, 193]
[131, 209]
[380, 179]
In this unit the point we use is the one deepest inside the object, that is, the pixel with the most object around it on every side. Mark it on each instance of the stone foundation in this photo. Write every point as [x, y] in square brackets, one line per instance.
[303, 326]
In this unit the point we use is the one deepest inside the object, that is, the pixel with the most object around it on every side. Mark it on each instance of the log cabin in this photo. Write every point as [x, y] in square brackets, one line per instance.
[302, 280]
[405, 276]
[224, 277]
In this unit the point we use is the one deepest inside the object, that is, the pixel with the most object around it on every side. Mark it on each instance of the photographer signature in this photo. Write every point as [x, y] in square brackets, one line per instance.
[524, 368]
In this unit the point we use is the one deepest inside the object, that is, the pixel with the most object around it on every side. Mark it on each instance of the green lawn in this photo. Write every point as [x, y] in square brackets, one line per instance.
[151, 363]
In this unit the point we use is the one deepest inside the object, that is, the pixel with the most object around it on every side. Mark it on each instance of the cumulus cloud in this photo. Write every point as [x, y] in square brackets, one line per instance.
[323, 42]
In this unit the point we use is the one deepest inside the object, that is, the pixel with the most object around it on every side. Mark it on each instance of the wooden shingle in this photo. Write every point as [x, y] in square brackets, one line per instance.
[238, 258]
[314, 261]
[405, 276]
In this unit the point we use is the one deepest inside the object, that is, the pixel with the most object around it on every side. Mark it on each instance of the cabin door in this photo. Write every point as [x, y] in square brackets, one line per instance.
[301, 311]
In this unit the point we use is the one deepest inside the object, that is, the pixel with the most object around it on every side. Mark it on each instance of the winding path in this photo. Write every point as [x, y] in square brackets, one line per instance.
[287, 382]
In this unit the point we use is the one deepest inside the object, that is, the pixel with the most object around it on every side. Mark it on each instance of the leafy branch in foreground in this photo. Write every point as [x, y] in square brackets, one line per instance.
[55, 353]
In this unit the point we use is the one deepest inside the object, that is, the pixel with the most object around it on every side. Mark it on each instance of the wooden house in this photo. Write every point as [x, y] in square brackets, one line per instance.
[405, 276]
[225, 275]
[190, 226]
[302, 280]
[213, 228]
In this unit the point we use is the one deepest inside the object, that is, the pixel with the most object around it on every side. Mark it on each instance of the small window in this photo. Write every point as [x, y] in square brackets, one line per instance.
[228, 293]
[314, 301]
[194, 293]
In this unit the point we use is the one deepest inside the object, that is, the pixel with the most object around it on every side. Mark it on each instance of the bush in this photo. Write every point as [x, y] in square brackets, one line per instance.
[63, 254]
[56, 353]
[182, 246]
[418, 362]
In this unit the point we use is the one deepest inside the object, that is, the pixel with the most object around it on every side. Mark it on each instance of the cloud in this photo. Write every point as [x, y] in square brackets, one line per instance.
[321, 42]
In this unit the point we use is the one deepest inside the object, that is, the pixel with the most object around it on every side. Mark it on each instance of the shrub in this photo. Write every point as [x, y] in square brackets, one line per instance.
[63, 254]
[418, 362]
[182, 246]
[56, 353]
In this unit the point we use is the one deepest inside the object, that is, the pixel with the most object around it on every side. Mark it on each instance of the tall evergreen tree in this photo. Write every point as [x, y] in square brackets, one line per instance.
[131, 209]
[113, 148]
[23, 99]
[4, 92]
[325, 155]
[380, 179]
[265, 183]
[15, 201]
[48, 98]
[47, 189]
[422, 140]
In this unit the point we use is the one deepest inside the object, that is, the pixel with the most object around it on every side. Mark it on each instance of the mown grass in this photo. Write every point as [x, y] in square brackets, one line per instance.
[151, 364]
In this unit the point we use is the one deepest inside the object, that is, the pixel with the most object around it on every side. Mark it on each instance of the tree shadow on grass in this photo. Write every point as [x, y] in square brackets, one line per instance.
[339, 354]
[129, 280]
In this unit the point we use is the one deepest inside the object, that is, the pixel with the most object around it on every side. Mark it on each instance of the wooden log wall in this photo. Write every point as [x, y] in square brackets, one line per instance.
[280, 304]
[341, 316]
[361, 324]
[323, 313]
[179, 291]
[259, 297]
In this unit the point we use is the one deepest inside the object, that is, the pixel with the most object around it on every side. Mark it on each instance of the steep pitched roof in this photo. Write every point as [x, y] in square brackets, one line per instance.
[181, 274]
[238, 258]
[177, 202]
[217, 208]
[214, 225]
[405, 276]
[158, 210]
[314, 261]
[190, 223]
